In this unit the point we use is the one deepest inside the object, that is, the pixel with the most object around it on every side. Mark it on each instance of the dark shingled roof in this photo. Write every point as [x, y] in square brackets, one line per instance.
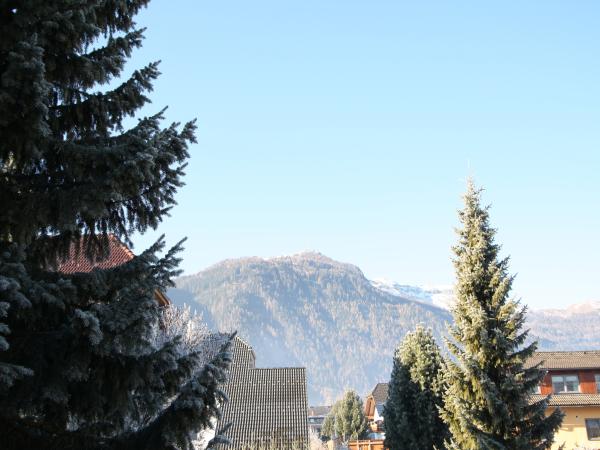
[573, 399]
[318, 410]
[589, 359]
[243, 356]
[380, 393]
[266, 406]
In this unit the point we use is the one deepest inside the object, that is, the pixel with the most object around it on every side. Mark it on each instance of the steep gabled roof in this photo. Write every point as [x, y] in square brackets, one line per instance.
[243, 356]
[266, 406]
[589, 359]
[380, 393]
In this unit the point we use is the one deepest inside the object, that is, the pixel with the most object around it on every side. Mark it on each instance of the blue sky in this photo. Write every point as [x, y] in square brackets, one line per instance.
[350, 127]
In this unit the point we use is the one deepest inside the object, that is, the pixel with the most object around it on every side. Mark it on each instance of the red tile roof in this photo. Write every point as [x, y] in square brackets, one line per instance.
[572, 399]
[77, 261]
[118, 253]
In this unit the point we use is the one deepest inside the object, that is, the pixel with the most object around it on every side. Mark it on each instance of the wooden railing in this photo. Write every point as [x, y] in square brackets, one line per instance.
[367, 444]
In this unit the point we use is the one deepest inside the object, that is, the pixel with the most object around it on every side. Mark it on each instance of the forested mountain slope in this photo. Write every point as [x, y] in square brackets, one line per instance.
[308, 310]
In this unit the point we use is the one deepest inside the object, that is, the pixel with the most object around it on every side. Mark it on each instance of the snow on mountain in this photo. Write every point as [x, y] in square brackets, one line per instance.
[574, 309]
[440, 296]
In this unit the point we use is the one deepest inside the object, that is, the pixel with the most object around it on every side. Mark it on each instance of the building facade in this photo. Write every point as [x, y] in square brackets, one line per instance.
[573, 381]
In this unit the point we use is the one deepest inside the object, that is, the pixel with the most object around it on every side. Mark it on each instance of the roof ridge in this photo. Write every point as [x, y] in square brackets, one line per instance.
[568, 351]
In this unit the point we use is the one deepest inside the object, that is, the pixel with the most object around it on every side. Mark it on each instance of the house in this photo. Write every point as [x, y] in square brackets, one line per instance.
[118, 254]
[573, 380]
[316, 417]
[374, 414]
[374, 406]
[267, 407]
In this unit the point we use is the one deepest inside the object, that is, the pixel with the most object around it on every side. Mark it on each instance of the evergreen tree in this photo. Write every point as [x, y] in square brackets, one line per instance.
[80, 365]
[399, 412]
[487, 404]
[411, 412]
[346, 420]
[328, 428]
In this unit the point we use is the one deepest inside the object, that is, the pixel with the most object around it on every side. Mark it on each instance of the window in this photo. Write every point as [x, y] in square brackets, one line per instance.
[598, 383]
[593, 429]
[565, 383]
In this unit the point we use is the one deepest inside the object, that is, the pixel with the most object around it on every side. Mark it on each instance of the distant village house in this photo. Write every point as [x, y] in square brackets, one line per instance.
[374, 413]
[316, 417]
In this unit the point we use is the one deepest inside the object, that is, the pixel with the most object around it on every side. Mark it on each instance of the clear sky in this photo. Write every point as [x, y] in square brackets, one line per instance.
[350, 127]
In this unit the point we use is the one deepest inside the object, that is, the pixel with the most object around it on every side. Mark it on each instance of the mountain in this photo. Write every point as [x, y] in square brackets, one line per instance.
[441, 296]
[573, 328]
[309, 310]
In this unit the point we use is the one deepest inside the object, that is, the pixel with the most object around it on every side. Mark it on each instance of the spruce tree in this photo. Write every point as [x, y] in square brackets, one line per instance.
[487, 404]
[328, 428]
[399, 412]
[411, 412]
[346, 421]
[80, 365]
